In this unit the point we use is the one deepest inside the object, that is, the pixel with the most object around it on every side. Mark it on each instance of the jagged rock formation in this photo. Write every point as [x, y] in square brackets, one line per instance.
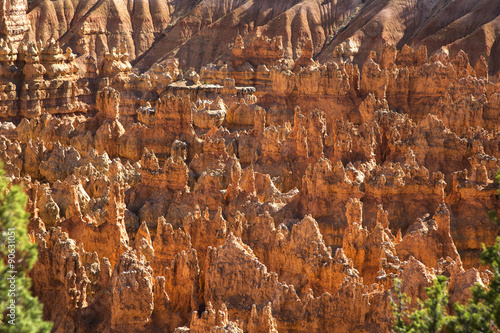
[14, 21]
[40, 78]
[268, 192]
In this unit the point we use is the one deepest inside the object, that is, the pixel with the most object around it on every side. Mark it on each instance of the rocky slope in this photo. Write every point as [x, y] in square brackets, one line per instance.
[200, 32]
[266, 192]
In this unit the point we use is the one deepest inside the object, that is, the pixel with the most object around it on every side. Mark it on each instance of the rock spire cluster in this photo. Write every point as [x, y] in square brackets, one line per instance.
[260, 193]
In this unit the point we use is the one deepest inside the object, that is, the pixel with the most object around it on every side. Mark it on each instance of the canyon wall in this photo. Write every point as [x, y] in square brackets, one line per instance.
[201, 32]
[265, 192]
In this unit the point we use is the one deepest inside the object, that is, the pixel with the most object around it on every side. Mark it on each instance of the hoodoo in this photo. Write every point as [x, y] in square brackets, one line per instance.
[250, 166]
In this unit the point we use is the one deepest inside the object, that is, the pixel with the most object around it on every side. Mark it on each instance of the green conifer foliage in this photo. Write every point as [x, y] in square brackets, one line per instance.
[19, 310]
[430, 317]
[480, 314]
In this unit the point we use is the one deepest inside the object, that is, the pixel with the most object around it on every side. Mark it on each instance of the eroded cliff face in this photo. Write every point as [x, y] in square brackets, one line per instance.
[265, 193]
[14, 22]
[200, 32]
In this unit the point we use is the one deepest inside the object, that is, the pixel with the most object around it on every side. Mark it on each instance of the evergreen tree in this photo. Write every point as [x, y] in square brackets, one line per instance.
[431, 315]
[20, 311]
[480, 314]
[400, 308]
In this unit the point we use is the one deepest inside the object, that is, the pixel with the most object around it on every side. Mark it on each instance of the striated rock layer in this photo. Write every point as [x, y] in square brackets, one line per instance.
[200, 32]
[265, 193]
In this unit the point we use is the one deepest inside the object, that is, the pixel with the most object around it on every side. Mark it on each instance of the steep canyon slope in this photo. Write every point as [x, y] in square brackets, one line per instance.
[200, 32]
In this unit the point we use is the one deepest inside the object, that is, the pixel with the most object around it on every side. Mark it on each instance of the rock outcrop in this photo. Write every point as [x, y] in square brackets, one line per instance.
[269, 191]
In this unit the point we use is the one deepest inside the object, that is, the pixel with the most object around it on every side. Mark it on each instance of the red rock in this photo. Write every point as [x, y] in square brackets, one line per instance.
[273, 190]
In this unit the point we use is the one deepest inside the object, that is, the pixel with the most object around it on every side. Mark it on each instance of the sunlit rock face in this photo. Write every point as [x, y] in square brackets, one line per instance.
[232, 166]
